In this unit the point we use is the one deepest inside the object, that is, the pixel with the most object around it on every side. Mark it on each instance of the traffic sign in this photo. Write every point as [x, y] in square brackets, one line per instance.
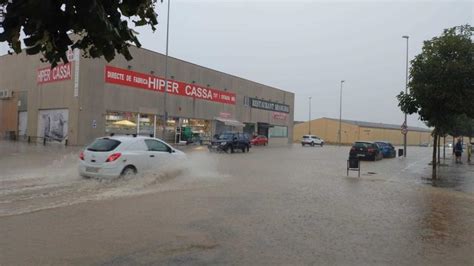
[404, 128]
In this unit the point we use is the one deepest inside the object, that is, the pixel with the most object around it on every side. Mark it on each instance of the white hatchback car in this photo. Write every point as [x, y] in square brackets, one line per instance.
[311, 140]
[116, 156]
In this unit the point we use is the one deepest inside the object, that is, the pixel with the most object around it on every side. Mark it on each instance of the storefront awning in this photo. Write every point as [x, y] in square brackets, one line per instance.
[230, 122]
[264, 125]
[125, 123]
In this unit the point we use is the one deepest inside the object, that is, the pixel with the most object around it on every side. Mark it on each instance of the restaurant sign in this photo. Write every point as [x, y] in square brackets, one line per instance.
[269, 106]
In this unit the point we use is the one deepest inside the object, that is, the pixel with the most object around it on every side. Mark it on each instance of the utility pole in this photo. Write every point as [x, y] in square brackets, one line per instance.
[406, 92]
[340, 113]
[309, 119]
[165, 111]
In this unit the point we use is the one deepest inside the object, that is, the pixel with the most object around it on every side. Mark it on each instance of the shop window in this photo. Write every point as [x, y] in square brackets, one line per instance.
[278, 132]
[195, 130]
[146, 124]
[120, 123]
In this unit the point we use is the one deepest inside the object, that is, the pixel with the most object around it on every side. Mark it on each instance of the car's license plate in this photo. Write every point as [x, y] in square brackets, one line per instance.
[92, 169]
[214, 146]
[360, 155]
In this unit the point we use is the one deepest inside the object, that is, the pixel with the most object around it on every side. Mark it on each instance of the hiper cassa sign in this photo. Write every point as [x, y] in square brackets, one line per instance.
[119, 76]
[58, 73]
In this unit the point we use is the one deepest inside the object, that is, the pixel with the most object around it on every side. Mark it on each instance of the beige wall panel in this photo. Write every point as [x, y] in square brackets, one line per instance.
[19, 73]
[328, 130]
[8, 116]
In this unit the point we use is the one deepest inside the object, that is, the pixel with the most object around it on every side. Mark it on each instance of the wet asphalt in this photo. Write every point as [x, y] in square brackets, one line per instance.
[273, 206]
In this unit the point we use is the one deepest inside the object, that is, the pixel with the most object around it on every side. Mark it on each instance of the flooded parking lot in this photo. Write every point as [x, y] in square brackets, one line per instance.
[274, 205]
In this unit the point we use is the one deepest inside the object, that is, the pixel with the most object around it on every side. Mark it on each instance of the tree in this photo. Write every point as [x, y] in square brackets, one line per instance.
[100, 27]
[462, 126]
[442, 81]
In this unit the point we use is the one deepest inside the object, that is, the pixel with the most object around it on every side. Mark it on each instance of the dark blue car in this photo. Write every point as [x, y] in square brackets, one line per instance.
[387, 149]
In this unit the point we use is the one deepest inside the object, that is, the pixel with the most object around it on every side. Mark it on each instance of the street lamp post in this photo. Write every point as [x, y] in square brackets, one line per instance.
[340, 113]
[165, 111]
[406, 91]
[309, 119]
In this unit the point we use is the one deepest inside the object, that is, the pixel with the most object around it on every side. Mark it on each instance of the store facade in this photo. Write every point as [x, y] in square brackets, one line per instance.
[88, 98]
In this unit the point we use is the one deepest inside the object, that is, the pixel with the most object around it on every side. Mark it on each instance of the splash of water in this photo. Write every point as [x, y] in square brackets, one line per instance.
[58, 183]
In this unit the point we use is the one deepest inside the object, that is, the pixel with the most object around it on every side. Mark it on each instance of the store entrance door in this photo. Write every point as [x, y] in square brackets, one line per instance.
[262, 129]
[22, 123]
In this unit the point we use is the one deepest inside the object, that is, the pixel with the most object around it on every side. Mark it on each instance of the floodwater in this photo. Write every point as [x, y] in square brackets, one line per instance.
[273, 206]
[34, 177]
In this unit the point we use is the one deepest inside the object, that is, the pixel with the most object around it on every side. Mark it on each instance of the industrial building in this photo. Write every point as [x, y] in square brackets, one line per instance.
[88, 98]
[351, 131]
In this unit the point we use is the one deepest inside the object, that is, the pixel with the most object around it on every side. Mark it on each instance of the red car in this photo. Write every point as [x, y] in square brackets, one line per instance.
[259, 140]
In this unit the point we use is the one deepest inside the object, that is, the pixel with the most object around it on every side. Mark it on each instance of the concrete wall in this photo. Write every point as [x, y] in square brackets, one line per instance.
[328, 130]
[18, 73]
[9, 109]
[13, 69]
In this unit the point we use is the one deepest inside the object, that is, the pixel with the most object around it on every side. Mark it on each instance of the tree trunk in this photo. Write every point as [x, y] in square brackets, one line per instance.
[444, 148]
[454, 143]
[439, 150]
[469, 149]
[433, 162]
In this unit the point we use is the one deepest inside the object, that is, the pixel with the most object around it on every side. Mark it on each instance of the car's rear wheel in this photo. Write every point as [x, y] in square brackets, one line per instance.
[243, 149]
[312, 144]
[231, 149]
[302, 144]
[128, 171]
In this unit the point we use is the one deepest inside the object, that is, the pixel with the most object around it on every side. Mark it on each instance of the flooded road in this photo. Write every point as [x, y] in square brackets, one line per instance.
[35, 178]
[285, 206]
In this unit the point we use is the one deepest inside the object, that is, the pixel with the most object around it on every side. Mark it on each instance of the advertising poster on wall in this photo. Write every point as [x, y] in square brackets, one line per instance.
[53, 124]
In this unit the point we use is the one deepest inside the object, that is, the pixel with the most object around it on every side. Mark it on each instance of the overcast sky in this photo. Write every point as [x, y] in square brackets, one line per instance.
[308, 47]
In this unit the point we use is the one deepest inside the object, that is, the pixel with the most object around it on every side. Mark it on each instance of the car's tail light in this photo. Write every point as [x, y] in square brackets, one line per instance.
[113, 157]
[370, 150]
[81, 155]
[353, 149]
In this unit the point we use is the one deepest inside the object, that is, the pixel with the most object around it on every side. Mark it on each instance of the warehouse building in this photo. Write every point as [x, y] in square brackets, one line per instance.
[328, 128]
[88, 98]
